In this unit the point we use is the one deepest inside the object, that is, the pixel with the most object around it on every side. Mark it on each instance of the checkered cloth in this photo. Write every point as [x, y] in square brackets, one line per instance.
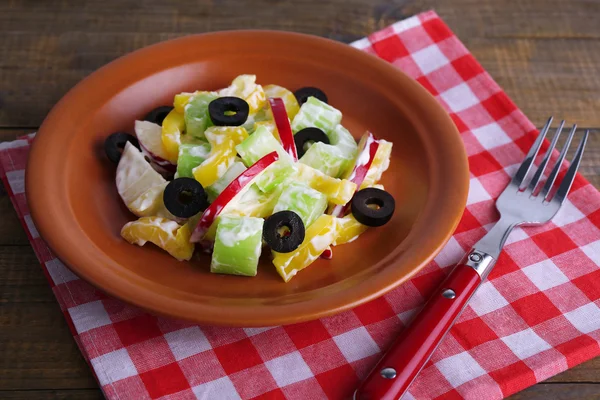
[537, 315]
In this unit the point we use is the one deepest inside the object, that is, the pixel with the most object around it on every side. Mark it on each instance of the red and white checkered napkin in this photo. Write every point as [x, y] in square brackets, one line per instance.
[537, 315]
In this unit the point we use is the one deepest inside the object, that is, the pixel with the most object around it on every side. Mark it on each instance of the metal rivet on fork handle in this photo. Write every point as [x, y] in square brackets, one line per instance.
[449, 294]
[388, 373]
[475, 257]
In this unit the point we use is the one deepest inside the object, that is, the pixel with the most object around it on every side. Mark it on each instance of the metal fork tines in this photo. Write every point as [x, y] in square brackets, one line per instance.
[528, 202]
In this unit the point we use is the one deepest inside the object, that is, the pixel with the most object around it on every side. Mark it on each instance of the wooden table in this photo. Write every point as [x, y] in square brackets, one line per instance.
[545, 53]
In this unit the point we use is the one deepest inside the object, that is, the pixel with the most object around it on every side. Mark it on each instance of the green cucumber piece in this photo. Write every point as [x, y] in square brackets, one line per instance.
[216, 188]
[238, 244]
[274, 175]
[308, 203]
[326, 158]
[196, 114]
[332, 159]
[190, 156]
[342, 139]
[315, 113]
[258, 145]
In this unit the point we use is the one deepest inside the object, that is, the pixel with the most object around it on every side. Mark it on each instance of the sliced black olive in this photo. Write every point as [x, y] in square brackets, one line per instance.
[158, 114]
[115, 143]
[307, 136]
[373, 207]
[284, 231]
[303, 94]
[228, 111]
[185, 197]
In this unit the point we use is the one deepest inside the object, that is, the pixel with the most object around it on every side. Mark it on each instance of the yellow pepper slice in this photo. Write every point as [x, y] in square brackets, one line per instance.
[289, 100]
[172, 128]
[319, 235]
[349, 229]
[181, 100]
[218, 134]
[245, 87]
[164, 233]
[380, 164]
[222, 153]
[338, 191]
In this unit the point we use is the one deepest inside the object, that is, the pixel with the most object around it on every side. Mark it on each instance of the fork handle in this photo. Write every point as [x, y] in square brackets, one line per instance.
[396, 370]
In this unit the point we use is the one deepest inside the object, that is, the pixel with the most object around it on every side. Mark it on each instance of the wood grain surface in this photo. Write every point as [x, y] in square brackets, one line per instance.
[544, 53]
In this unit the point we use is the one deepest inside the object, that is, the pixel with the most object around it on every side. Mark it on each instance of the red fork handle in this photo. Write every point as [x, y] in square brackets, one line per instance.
[394, 373]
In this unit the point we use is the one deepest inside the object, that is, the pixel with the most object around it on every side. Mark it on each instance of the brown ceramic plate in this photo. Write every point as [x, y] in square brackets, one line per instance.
[75, 205]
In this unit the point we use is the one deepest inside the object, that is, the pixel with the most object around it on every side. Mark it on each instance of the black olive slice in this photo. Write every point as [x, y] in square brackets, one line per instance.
[304, 93]
[284, 231]
[115, 143]
[185, 197]
[158, 115]
[373, 207]
[308, 135]
[228, 111]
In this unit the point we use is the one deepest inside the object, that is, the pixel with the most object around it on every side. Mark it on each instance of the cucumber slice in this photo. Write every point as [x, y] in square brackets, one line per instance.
[216, 188]
[326, 158]
[343, 140]
[308, 203]
[196, 114]
[258, 145]
[316, 113]
[274, 175]
[333, 159]
[238, 244]
[190, 156]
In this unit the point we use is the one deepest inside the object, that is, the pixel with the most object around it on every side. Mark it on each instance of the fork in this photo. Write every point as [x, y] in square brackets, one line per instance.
[521, 203]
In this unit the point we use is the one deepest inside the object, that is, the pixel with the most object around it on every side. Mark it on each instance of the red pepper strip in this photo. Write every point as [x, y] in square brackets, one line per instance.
[283, 126]
[363, 162]
[213, 211]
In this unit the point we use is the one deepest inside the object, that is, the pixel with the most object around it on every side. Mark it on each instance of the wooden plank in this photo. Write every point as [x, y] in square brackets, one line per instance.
[23, 281]
[11, 231]
[588, 372]
[539, 57]
[535, 18]
[544, 77]
[561, 391]
[38, 351]
[590, 163]
[8, 134]
[539, 19]
[59, 394]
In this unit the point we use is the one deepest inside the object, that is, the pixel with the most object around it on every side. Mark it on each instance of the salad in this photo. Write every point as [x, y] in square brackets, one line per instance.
[249, 170]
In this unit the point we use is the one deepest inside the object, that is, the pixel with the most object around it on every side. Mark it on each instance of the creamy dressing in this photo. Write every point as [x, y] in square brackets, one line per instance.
[320, 242]
[200, 151]
[222, 168]
[239, 229]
